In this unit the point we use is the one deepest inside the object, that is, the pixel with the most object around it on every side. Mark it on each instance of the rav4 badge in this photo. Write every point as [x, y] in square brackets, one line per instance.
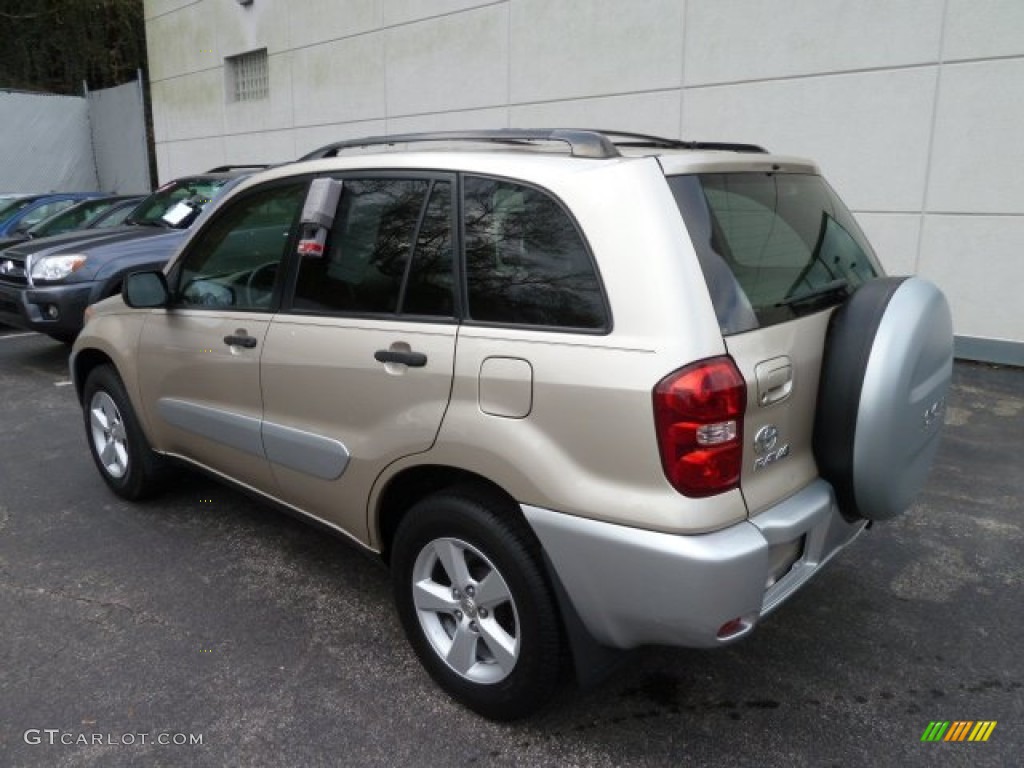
[765, 442]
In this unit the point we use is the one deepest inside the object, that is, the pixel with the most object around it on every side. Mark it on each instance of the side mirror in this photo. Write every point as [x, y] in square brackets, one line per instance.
[145, 290]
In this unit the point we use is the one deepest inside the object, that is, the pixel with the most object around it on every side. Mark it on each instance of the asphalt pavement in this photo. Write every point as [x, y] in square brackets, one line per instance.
[204, 629]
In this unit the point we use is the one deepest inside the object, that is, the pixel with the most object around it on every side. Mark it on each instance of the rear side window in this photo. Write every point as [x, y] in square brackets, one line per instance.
[526, 263]
[772, 246]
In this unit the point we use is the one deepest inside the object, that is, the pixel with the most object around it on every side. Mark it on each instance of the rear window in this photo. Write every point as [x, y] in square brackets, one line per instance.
[772, 246]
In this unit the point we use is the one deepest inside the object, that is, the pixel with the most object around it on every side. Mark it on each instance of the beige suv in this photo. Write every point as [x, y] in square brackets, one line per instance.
[579, 390]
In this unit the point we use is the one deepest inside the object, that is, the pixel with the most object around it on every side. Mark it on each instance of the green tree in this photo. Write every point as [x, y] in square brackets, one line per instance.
[56, 45]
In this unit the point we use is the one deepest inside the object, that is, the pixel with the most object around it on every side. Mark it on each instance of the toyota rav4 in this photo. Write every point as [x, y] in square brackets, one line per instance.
[578, 390]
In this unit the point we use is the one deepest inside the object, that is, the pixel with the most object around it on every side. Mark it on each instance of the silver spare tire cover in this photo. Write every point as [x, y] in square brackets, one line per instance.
[881, 401]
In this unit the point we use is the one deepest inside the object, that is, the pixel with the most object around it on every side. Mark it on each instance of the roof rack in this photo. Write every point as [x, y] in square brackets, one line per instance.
[581, 143]
[624, 139]
[599, 144]
[243, 167]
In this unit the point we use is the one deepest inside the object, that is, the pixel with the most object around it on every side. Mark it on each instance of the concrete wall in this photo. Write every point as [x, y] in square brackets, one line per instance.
[913, 108]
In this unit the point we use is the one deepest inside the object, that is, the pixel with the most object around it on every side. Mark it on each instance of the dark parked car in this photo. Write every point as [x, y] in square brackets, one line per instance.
[45, 285]
[23, 211]
[94, 212]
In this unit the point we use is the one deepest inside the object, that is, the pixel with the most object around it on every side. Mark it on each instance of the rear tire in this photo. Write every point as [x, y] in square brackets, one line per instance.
[474, 602]
[119, 448]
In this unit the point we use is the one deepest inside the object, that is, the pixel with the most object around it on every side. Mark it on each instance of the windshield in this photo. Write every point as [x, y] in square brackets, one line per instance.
[72, 218]
[773, 246]
[170, 205]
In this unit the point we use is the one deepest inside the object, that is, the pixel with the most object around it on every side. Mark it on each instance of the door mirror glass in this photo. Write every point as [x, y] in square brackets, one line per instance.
[145, 290]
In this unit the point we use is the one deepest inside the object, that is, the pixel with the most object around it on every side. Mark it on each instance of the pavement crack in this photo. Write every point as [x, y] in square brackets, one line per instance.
[139, 617]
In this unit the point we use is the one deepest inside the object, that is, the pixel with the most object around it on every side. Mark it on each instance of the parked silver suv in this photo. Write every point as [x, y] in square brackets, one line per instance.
[578, 390]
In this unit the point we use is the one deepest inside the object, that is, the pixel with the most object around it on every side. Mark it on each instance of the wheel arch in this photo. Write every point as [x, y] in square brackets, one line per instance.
[402, 490]
[85, 362]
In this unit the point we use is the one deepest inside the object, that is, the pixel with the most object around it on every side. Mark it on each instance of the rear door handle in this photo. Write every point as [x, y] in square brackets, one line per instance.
[774, 380]
[411, 359]
[240, 341]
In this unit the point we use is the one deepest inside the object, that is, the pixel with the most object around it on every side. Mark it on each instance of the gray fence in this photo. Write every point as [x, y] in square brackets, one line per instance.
[52, 143]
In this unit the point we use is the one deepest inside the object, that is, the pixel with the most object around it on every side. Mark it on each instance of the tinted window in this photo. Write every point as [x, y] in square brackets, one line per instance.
[772, 246]
[389, 251]
[430, 286]
[233, 263]
[525, 261]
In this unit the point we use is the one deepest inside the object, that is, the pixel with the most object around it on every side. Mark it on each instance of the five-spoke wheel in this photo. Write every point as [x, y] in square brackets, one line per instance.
[466, 610]
[116, 441]
[107, 431]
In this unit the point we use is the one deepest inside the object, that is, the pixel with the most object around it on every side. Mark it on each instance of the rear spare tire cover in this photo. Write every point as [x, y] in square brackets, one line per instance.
[881, 401]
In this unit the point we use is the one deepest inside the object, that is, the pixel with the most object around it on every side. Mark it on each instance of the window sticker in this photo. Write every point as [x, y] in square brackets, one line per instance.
[176, 214]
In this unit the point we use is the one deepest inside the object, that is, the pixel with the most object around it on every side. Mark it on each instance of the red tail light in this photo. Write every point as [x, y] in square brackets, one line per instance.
[698, 415]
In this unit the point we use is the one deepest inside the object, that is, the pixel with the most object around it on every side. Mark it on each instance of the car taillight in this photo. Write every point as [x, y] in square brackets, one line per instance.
[698, 416]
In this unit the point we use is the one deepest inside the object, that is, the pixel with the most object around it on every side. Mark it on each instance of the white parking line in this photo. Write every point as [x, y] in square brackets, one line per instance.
[18, 335]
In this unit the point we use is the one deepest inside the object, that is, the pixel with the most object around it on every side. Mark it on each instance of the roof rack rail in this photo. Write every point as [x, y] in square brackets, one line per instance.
[242, 167]
[624, 139]
[581, 143]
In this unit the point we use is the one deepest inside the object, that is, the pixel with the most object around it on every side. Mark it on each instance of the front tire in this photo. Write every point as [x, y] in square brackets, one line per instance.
[475, 605]
[119, 448]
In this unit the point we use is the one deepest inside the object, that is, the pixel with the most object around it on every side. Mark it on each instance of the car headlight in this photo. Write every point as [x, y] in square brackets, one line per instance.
[57, 267]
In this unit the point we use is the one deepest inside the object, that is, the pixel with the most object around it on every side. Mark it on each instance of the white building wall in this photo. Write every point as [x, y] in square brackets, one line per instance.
[914, 109]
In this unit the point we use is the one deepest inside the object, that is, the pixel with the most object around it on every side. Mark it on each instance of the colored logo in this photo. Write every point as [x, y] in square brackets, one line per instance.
[958, 730]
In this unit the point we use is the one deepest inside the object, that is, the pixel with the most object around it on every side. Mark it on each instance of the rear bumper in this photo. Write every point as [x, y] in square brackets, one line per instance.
[632, 587]
[32, 308]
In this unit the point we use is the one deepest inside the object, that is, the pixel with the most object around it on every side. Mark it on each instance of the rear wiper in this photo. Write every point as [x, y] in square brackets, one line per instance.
[815, 294]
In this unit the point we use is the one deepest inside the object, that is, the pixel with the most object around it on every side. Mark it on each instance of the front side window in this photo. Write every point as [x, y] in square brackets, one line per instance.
[526, 263]
[389, 252]
[234, 262]
[773, 246]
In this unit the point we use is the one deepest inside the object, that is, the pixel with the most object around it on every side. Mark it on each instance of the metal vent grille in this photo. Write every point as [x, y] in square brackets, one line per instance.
[247, 76]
